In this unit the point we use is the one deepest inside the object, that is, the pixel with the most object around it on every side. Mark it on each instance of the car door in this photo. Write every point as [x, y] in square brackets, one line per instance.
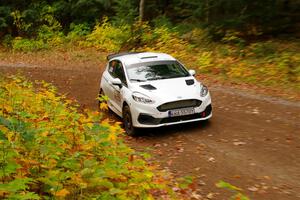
[114, 92]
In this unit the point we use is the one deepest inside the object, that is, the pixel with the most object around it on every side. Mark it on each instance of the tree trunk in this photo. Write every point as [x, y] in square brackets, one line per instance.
[207, 11]
[142, 10]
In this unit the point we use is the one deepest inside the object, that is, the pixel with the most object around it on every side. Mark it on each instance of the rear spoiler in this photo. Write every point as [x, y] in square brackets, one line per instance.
[111, 56]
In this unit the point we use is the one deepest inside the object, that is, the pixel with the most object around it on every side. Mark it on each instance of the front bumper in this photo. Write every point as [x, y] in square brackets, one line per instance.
[146, 116]
[147, 119]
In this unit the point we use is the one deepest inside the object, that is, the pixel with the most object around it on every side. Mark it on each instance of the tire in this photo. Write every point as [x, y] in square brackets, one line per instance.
[127, 121]
[205, 123]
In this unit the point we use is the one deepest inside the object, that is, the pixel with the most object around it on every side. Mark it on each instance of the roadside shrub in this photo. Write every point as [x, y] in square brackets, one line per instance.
[271, 62]
[162, 39]
[225, 50]
[198, 36]
[265, 63]
[46, 33]
[205, 61]
[288, 65]
[26, 45]
[107, 37]
[233, 37]
[36, 18]
[77, 32]
[50, 150]
[262, 49]
[23, 27]
[7, 41]
[162, 21]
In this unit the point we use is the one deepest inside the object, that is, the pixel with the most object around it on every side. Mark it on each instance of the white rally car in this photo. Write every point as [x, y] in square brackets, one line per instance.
[153, 90]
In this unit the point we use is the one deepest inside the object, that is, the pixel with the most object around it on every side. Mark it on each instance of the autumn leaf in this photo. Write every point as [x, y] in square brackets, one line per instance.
[62, 193]
[112, 137]
[103, 106]
[223, 184]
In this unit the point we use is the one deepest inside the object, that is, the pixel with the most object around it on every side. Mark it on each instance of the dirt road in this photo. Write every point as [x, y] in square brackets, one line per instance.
[252, 141]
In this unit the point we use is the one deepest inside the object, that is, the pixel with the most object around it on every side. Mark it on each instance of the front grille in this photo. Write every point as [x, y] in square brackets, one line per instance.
[179, 104]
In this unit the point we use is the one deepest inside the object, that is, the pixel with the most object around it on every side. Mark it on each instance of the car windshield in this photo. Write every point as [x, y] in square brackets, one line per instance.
[156, 70]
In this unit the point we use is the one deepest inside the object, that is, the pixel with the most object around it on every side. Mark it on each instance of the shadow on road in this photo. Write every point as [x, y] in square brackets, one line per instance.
[167, 131]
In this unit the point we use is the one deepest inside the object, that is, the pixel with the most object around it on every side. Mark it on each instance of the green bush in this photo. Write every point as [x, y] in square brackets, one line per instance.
[26, 45]
[7, 41]
[162, 21]
[263, 49]
[77, 32]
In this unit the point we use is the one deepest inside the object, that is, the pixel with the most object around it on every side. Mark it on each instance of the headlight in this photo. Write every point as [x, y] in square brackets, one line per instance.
[142, 98]
[204, 91]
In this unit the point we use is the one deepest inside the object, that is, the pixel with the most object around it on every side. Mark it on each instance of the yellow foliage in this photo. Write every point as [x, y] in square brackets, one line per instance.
[112, 137]
[62, 193]
[47, 141]
[103, 106]
[107, 37]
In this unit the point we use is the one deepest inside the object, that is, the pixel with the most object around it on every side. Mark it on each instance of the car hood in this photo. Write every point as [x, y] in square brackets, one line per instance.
[167, 90]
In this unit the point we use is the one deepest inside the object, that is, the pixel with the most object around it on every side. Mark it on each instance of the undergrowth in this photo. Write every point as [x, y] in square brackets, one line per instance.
[49, 150]
[269, 62]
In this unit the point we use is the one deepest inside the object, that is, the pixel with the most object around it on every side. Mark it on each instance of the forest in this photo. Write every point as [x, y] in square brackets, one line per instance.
[252, 18]
[53, 148]
[240, 40]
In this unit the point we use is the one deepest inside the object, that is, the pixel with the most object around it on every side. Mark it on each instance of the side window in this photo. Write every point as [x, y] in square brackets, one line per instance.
[115, 68]
[111, 67]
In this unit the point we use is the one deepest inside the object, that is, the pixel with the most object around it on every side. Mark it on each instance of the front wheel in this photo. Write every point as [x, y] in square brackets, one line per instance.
[127, 121]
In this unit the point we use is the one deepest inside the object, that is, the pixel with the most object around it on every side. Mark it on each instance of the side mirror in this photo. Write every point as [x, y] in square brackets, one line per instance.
[117, 82]
[192, 72]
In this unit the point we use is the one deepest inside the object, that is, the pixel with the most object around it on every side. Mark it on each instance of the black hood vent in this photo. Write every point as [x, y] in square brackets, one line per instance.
[190, 82]
[148, 87]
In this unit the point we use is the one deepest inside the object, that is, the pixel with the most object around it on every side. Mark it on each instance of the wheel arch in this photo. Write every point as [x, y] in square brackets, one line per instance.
[124, 104]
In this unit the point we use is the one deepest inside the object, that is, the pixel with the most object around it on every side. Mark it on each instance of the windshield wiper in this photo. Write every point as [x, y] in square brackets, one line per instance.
[155, 78]
[174, 76]
[138, 80]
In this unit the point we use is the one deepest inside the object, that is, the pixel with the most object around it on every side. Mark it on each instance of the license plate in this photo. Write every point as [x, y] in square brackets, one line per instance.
[181, 112]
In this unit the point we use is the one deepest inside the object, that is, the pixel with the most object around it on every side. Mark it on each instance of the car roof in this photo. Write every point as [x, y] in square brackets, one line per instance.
[129, 58]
